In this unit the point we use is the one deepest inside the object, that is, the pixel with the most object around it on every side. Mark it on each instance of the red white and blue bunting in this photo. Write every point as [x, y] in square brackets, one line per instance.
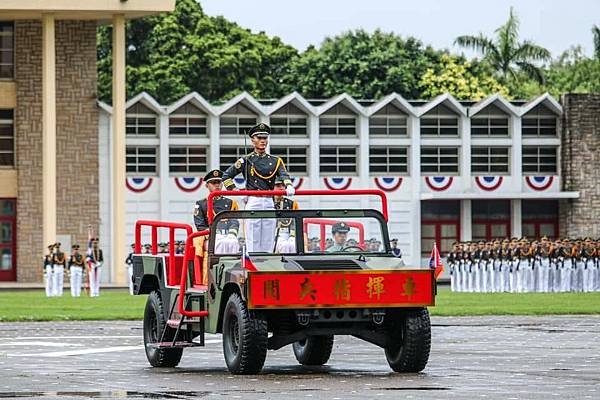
[539, 183]
[388, 183]
[138, 185]
[188, 184]
[439, 183]
[297, 182]
[337, 183]
[489, 183]
[240, 182]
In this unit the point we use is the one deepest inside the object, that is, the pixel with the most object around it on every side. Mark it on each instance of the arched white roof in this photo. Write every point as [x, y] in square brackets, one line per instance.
[496, 99]
[195, 99]
[446, 99]
[395, 99]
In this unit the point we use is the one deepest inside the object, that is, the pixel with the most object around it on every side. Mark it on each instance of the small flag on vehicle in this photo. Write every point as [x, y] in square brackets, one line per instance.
[246, 262]
[435, 262]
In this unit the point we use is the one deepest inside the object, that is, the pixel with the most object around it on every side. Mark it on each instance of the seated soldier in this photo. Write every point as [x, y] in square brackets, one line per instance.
[226, 241]
[285, 240]
[339, 231]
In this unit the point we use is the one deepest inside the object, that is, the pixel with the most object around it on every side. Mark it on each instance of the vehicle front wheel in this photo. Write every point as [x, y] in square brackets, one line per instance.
[154, 325]
[409, 341]
[244, 338]
[314, 350]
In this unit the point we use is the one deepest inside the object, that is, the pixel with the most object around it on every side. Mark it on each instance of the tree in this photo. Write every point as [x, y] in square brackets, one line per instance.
[461, 79]
[505, 54]
[596, 33]
[361, 64]
[171, 55]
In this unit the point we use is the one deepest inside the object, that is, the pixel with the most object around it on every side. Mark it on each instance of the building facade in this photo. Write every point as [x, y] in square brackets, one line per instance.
[453, 170]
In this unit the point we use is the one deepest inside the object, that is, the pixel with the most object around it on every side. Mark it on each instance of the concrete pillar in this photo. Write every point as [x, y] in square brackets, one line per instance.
[414, 130]
[118, 150]
[48, 131]
[516, 218]
[466, 231]
[314, 173]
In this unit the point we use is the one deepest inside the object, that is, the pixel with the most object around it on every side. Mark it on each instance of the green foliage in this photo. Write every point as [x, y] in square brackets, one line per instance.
[363, 65]
[461, 79]
[505, 54]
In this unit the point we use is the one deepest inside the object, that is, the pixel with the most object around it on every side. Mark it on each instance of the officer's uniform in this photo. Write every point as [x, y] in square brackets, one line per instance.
[48, 269]
[76, 266]
[260, 172]
[452, 261]
[496, 271]
[543, 269]
[95, 260]
[129, 264]
[226, 241]
[59, 261]
[286, 232]
[338, 227]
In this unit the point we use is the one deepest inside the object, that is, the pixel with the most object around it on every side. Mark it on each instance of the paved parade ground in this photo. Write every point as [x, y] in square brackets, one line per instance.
[472, 357]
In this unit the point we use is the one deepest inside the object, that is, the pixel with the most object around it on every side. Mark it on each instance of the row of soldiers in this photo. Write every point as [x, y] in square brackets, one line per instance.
[55, 263]
[520, 265]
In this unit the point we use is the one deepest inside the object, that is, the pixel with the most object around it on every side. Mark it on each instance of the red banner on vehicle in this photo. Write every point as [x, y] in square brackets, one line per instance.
[287, 289]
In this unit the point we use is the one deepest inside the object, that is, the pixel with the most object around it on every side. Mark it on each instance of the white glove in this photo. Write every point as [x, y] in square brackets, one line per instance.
[290, 191]
[241, 160]
[231, 236]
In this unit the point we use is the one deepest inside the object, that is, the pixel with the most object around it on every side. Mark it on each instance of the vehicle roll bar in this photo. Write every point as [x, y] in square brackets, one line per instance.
[309, 192]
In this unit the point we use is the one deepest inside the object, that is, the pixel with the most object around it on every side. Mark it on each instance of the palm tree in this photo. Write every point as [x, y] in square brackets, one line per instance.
[505, 53]
[596, 33]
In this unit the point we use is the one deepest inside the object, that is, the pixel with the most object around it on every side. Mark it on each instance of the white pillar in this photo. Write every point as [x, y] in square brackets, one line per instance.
[163, 171]
[214, 128]
[314, 173]
[414, 128]
[516, 170]
[48, 131]
[363, 157]
[118, 150]
[465, 153]
[466, 232]
[516, 228]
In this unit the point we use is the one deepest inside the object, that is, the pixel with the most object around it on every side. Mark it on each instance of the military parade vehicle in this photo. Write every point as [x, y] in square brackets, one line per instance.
[266, 301]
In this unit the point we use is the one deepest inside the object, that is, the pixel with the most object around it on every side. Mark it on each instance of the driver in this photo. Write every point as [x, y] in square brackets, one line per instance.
[339, 231]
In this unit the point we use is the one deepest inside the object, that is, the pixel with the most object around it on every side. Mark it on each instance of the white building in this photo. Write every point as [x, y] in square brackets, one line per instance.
[453, 170]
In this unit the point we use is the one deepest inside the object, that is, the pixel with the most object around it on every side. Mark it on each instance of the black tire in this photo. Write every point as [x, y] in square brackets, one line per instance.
[154, 324]
[314, 350]
[244, 338]
[409, 338]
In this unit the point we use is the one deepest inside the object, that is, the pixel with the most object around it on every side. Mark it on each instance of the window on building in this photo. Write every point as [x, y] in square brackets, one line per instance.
[540, 160]
[289, 120]
[338, 121]
[539, 218]
[295, 158]
[230, 154]
[440, 224]
[140, 121]
[7, 138]
[7, 50]
[539, 122]
[187, 160]
[141, 160]
[440, 121]
[187, 120]
[237, 120]
[491, 121]
[388, 160]
[490, 219]
[389, 121]
[439, 160]
[490, 160]
[338, 160]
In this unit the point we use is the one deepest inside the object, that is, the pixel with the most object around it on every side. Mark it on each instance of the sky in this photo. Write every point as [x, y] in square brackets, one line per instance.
[556, 25]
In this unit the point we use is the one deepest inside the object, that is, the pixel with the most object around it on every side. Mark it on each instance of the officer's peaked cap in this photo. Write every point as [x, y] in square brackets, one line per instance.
[215, 174]
[260, 129]
[340, 227]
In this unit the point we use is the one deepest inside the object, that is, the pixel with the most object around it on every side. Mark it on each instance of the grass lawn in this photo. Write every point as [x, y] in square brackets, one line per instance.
[113, 305]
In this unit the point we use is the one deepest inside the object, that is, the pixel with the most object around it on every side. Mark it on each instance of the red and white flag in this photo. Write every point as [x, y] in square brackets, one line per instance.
[435, 262]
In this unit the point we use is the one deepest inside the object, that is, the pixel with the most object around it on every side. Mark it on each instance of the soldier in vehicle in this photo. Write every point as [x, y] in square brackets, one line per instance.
[339, 232]
[260, 170]
[285, 241]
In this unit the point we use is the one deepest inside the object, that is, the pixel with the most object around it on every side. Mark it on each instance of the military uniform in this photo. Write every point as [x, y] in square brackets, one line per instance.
[129, 264]
[286, 233]
[260, 172]
[95, 261]
[48, 269]
[338, 227]
[76, 267]
[59, 262]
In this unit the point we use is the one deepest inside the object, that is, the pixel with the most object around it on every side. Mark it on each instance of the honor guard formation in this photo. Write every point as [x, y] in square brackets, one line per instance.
[519, 265]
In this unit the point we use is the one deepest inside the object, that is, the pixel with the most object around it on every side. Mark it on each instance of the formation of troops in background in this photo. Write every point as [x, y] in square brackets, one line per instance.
[520, 265]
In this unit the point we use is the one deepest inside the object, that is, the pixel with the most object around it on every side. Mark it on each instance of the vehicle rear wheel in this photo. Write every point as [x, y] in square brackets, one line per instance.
[409, 338]
[244, 338]
[314, 350]
[154, 324]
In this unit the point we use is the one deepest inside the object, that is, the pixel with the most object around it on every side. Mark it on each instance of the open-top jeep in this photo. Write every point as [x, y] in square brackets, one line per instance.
[261, 301]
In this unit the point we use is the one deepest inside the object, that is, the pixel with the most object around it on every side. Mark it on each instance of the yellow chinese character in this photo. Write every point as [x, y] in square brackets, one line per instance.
[271, 289]
[307, 289]
[409, 287]
[341, 289]
[375, 287]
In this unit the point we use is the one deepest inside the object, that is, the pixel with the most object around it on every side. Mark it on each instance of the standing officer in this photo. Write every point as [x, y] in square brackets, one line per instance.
[76, 265]
[451, 260]
[285, 241]
[59, 261]
[543, 266]
[95, 261]
[260, 170]
[129, 264]
[48, 269]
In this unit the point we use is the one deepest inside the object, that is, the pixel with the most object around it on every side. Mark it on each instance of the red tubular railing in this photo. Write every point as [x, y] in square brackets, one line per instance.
[187, 257]
[329, 222]
[310, 192]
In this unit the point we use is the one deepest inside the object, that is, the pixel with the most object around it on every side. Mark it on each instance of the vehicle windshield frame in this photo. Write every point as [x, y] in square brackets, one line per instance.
[298, 216]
